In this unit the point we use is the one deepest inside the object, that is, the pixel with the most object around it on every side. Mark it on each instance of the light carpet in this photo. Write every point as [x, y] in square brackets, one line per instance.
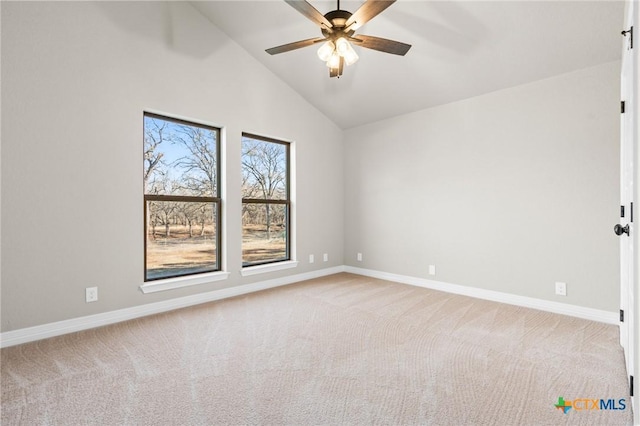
[342, 349]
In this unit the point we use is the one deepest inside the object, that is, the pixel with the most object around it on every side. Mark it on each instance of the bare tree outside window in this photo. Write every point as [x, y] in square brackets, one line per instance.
[181, 197]
[265, 200]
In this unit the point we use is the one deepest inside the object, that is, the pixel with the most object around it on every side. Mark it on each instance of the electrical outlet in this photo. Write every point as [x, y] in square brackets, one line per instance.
[561, 289]
[311, 258]
[325, 257]
[432, 269]
[359, 257]
[91, 294]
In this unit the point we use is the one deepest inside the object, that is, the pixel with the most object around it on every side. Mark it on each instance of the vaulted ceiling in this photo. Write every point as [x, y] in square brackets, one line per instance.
[460, 49]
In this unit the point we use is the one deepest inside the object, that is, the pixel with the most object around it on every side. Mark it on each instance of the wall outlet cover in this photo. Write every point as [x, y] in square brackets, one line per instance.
[561, 289]
[91, 294]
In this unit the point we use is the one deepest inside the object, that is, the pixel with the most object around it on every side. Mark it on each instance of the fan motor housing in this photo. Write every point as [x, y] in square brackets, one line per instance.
[338, 18]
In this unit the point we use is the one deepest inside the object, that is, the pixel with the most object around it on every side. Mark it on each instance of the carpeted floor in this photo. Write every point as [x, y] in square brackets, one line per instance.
[343, 349]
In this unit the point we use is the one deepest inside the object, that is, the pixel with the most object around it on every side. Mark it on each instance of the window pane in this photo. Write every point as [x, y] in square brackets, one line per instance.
[179, 158]
[264, 233]
[181, 238]
[264, 169]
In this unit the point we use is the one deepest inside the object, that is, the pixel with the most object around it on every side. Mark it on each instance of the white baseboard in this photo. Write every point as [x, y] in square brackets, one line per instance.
[496, 296]
[30, 334]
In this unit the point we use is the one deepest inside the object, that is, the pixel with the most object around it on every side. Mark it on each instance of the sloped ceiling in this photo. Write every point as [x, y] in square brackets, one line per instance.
[460, 49]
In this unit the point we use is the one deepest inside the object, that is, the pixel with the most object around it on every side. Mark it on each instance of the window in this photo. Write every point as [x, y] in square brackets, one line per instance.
[265, 200]
[181, 198]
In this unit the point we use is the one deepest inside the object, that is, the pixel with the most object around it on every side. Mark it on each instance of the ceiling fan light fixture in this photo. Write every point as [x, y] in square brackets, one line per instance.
[350, 56]
[342, 46]
[334, 60]
[344, 49]
[326, 50]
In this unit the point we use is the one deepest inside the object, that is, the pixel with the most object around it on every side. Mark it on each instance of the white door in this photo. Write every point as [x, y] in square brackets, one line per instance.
[628, 210]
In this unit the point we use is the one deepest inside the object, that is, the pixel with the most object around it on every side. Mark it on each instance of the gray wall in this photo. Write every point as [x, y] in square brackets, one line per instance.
[75, 80]
[510, 191]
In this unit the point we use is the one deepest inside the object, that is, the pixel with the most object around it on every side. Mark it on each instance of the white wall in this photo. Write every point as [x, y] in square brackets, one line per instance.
[510, 191]
[76, 77]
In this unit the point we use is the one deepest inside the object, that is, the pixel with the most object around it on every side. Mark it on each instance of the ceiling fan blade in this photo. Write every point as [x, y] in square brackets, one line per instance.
[367, 12]
[381, 44]
[310, 12]
[295, 45]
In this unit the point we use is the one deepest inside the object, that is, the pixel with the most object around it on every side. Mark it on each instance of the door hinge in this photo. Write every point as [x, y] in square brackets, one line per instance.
[621, 315]
[630, 32]
[621, 107]
[630, 385]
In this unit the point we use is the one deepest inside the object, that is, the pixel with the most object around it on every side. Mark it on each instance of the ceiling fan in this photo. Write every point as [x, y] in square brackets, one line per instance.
[338, 28]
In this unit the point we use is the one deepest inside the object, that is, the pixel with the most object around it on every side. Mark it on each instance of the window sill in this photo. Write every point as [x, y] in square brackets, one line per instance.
[271, 267]
[172, 283]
